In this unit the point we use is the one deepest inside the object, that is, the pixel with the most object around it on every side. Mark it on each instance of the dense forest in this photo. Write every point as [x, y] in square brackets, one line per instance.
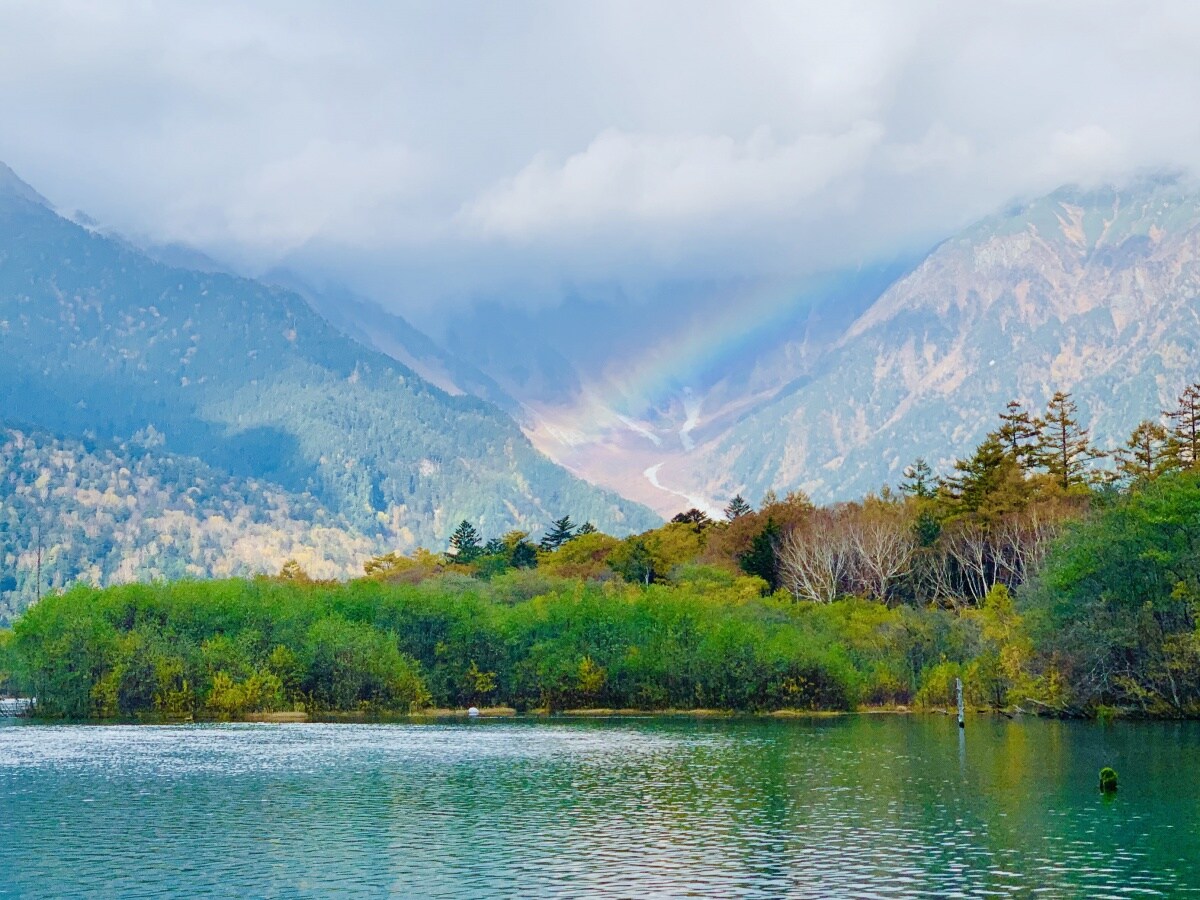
[1047, 581]
[103, 513]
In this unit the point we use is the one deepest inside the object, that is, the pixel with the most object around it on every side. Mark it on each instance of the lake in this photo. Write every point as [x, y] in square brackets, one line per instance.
[869, 805]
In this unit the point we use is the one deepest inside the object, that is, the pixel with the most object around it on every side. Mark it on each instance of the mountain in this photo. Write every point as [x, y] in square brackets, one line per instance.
[621, 389]
[103, 512]
[100, 341]
[368, 323]
[1090, 291]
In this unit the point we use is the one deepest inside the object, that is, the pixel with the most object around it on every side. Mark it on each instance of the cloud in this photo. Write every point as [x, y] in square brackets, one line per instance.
[326, 186]
[431, 156]
[678, 182]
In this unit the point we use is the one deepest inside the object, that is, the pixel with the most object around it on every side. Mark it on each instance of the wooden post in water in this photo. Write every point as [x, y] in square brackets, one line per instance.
[958, 690]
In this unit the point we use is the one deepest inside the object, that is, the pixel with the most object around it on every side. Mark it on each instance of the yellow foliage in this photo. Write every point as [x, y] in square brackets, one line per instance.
[585, 556]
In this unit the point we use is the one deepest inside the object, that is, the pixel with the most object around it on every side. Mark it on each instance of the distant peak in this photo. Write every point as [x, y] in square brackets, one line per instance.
[12, 186]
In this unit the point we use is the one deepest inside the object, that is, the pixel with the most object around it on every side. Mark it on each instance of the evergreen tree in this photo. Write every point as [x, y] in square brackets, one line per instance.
[1147, 453]
[523, 555]
[1019, 434]
[1063, 449]
[465, 542]
[585, 528]
[918, 479]
[737, 508]
[988, 484]
[760, 558]
[693, 516]
[1185, 429]
[561, 531]
[495, 547]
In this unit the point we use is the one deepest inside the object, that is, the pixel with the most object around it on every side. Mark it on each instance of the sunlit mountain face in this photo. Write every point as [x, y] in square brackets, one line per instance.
[833, 385]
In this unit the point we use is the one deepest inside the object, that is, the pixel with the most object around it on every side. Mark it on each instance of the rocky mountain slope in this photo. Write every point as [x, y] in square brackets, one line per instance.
[1096, 292]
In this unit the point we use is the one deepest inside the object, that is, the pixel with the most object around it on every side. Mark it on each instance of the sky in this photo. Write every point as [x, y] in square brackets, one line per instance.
[433, 154]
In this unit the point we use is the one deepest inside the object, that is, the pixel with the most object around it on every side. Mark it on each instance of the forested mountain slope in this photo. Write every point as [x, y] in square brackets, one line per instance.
[1094, 292]
[128, 511]
[98, 340]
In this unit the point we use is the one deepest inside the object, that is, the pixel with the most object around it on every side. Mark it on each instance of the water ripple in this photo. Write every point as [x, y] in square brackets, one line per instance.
[617, 808]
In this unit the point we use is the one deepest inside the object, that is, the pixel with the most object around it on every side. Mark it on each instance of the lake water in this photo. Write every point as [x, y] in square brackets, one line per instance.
[856, 806]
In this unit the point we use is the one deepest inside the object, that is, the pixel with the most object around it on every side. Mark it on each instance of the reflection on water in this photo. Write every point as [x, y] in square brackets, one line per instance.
[859, 806]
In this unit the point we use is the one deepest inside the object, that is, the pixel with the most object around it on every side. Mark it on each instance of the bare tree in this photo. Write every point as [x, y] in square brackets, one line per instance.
[881, 536]
[815, 558]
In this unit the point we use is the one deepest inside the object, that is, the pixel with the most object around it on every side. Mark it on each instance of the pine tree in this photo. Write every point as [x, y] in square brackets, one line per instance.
[1063, 449]
[1018, 432]
[561, 531]
[465, 542]
[697, 517]
[988, 484]
[585, 528]
[1147, 452]
[918, 479]
[760, 558]
[523, 556]
[737, 508]
[1185, 429]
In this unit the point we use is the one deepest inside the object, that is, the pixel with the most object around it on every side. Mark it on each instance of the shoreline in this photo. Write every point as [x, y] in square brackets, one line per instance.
[444, 715]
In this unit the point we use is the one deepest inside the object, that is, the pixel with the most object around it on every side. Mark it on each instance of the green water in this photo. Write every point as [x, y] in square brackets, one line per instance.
[856, 806]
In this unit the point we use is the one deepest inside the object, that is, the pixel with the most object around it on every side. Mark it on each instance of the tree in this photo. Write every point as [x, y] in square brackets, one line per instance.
[521, 553]
[760, 558]
[988, 484]
[918, 479]
[1063, 449]
[561, 531]
[815, 559]
[465, 542]
[1147, 453]
[737, 508]
[1019, 433]
[292, 571]
[632, 561]
[695, 517]
[881, 535]
[585, 528]
[1185, 428]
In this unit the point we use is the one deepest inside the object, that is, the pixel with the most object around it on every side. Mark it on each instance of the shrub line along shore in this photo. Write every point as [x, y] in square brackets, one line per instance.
[1042, 583]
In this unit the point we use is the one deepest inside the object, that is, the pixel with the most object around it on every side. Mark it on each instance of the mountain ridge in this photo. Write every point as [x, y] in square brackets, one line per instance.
[96, 338]
[1086, 290]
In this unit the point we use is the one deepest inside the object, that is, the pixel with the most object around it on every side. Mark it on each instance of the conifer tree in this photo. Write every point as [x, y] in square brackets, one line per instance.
[465, 542]
[585, 528]
[1147, 453]
[1185, 429]
[1063, 449]
[760, 559]
[988, 484]
[737, 508]
[561, 531]
[697, 517]
[918, 479]
[1018, 432]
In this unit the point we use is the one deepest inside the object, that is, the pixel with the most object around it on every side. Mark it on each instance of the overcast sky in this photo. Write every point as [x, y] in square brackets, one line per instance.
[429, 152]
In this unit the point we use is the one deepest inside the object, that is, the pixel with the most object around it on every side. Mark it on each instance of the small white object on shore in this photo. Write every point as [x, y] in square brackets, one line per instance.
[473, 712]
